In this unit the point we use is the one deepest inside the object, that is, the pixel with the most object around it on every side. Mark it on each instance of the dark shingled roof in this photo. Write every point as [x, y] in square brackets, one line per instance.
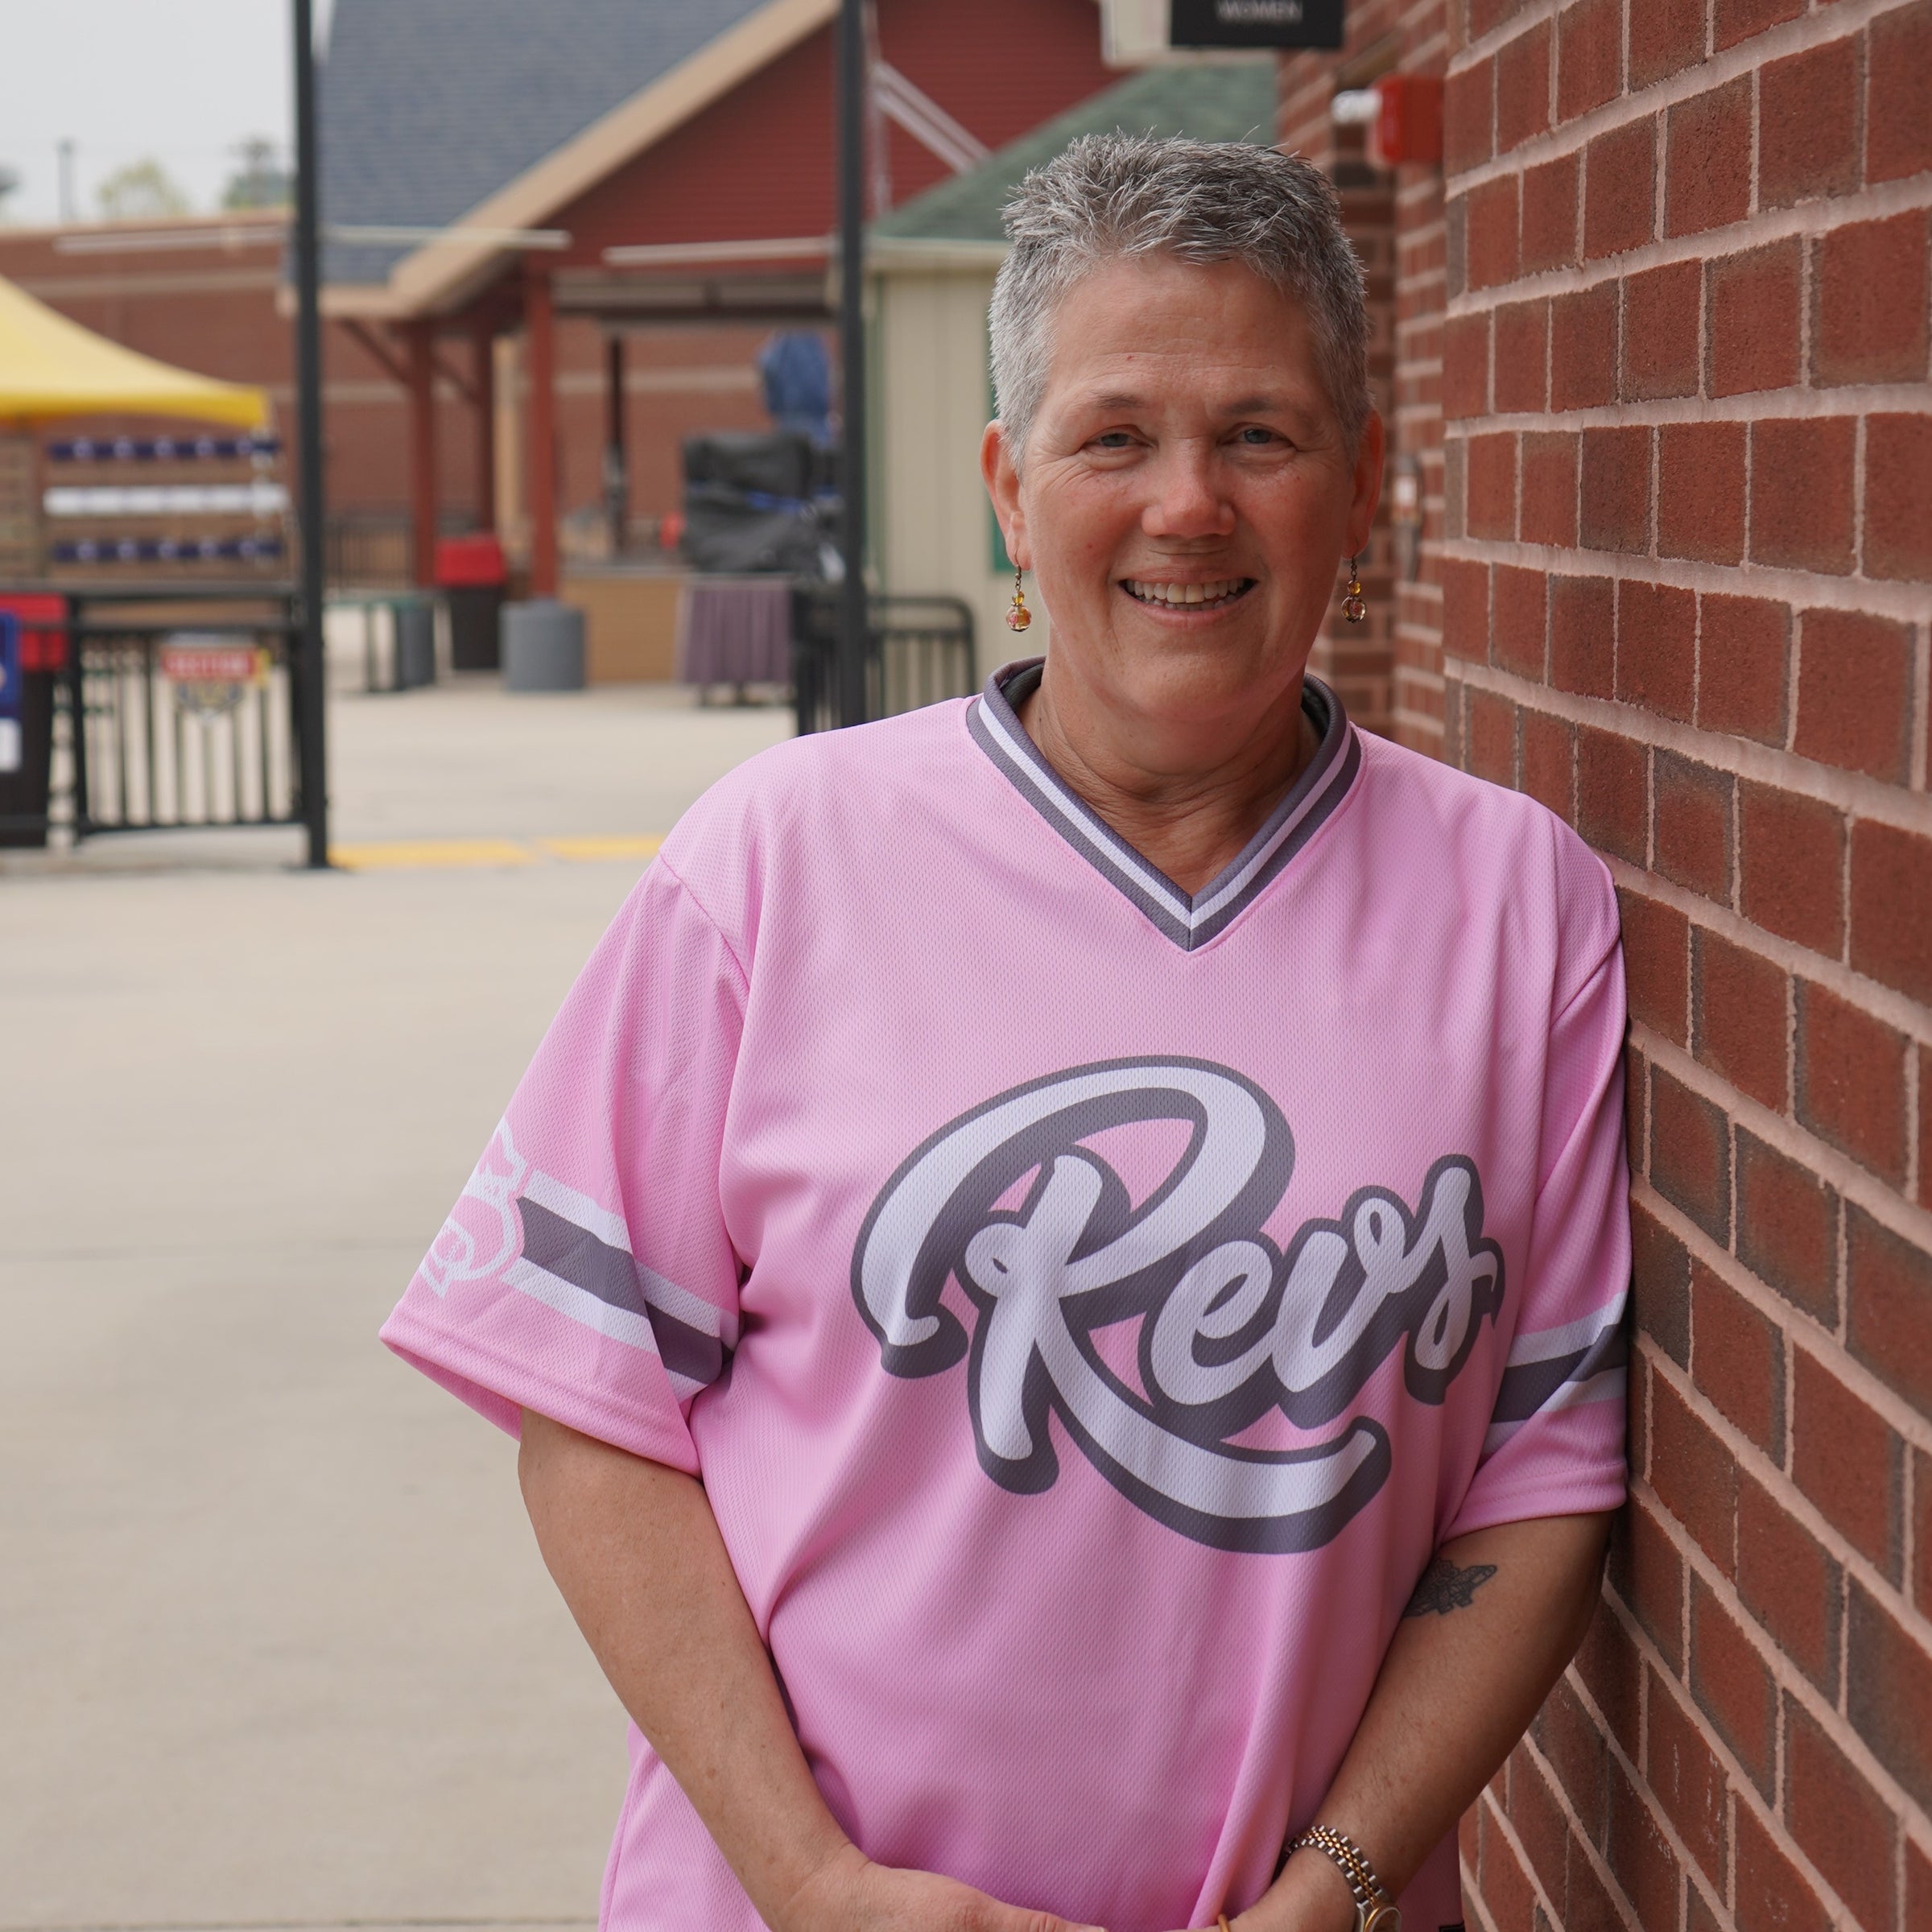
[429, 106]
[1216, 102]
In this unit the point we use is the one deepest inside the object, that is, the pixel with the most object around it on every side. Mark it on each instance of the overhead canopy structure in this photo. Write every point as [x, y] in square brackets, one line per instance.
[50, 367]
[960, 219]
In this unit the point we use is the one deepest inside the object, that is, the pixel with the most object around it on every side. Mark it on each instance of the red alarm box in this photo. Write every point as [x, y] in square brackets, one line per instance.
[1409, 126]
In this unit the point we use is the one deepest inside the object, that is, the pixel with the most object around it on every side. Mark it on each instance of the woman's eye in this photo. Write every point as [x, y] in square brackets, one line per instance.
[1256, 437]
[1113, 438]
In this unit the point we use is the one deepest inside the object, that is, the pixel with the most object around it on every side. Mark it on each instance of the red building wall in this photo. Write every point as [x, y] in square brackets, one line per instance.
[760, 161]
[214, 310]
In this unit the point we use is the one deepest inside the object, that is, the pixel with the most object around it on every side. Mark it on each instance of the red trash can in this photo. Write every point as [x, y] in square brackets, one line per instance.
[470, 572]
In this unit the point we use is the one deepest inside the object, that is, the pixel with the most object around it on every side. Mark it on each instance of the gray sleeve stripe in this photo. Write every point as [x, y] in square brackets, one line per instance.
[1528, 1386]
[573, 1254]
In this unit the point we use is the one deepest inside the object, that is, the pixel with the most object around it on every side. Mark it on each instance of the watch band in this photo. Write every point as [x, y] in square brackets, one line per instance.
[1374, 1910]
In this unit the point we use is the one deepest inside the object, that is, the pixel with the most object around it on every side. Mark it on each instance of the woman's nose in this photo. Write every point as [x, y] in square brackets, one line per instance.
[1187, 501]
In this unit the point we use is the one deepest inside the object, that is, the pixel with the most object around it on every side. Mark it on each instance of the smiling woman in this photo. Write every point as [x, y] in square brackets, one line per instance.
[1185, 451]
[1061, 1272]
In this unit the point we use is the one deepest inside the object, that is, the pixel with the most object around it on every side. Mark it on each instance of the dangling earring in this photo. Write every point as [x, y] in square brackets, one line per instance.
[1355, 606]
[1019, 617]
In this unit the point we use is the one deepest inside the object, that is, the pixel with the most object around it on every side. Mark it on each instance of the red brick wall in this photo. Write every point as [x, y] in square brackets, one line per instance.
[1689, 531]
[1389, 669]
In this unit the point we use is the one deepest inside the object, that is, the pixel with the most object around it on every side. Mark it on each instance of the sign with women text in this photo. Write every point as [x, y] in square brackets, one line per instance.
[1256, 23]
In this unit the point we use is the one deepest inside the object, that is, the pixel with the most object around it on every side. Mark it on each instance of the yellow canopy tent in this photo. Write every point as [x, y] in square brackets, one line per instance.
[52, 367]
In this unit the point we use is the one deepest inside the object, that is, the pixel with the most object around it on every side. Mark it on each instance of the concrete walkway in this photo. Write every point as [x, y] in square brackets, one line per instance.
[276, 1647]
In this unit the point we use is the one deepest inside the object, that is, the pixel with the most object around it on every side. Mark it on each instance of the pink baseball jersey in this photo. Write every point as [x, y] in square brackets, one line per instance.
[1089, 1304]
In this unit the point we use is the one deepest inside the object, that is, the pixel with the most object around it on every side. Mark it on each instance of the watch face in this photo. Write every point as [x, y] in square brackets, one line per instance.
[1380, 1918]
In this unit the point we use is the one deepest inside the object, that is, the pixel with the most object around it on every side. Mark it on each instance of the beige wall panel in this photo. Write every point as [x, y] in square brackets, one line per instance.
[933, 530]
[630, 624]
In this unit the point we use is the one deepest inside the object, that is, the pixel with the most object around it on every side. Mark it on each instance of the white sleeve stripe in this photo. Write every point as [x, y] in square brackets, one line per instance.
[569, 1204]
[1610, 1386]
[1572, 1337]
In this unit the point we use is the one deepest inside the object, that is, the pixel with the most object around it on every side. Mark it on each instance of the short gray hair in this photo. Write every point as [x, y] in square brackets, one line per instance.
[1106, 196]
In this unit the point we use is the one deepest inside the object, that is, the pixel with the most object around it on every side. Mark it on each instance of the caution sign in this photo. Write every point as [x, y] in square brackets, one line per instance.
[209, 678]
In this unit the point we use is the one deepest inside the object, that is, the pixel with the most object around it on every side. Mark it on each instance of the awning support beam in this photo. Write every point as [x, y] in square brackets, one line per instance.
[372, 345]
[422, 450]
[540, 477]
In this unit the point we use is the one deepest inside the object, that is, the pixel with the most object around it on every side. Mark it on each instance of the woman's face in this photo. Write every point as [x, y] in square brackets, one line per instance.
[1186, 493]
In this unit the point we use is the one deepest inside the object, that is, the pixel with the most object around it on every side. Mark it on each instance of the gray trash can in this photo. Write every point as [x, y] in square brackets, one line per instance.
[415, 632]
[543, 646]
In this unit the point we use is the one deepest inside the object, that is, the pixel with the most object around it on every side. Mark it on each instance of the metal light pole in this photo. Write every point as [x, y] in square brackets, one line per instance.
[852, 616]
[310, 714]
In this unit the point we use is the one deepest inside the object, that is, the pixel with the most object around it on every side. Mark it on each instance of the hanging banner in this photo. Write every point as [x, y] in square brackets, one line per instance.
[1282, 23]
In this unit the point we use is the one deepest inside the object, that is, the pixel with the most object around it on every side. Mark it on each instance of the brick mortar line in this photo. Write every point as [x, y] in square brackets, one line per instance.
[1834, 1722]
[1848, 791]
[1856, 1184]
[1640, 1782]
[1507, 1826]
[1797, 1327]
[1566, 1808]
[1796, 1505]
[1806, 220]
[1915, 1151]
[1922, 696]
[1899, 600]
[1897, 1010]
[1435, 41]
[1861, 400]
[1473, 1901]
[1800, 34]
[1776, 1829]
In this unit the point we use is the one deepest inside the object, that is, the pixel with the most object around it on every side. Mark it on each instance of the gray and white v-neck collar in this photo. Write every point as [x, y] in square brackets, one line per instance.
[1190, 920]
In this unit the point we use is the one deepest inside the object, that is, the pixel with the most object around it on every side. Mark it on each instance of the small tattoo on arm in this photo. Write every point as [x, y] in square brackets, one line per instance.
[1444, 1587]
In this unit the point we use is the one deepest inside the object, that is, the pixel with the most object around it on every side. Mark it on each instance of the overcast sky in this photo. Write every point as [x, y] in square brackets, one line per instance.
[182, 81]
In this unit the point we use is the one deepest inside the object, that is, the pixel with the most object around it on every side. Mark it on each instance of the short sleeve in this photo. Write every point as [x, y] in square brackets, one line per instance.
[1555, 1441]
[585, 1272]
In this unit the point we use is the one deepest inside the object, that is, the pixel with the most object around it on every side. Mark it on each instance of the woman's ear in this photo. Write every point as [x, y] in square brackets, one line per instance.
[1003, 486]
[1367, 483]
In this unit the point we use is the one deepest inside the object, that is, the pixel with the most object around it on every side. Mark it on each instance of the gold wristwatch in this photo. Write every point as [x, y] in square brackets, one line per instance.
[1374, 1910]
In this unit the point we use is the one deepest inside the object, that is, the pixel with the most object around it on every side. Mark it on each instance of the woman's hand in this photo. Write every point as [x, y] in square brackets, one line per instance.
[850, 1894]
[1309, 1896]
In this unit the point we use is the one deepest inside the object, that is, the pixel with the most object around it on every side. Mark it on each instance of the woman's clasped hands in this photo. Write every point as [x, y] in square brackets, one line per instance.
[848, 1892]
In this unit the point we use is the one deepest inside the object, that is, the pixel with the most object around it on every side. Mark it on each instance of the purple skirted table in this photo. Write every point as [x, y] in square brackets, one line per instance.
[735, 630]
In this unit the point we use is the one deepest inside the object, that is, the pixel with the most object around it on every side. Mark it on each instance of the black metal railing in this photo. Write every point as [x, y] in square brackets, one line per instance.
[373, 551]
[918, 650]
[175, 707]
[376, 549]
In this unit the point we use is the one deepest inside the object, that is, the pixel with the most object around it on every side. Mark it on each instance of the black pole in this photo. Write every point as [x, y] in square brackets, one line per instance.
[852, 342]
[617, 482]
[311, 719]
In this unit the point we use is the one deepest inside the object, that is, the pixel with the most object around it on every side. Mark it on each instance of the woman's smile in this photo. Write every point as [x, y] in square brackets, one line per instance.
[1173, 598]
